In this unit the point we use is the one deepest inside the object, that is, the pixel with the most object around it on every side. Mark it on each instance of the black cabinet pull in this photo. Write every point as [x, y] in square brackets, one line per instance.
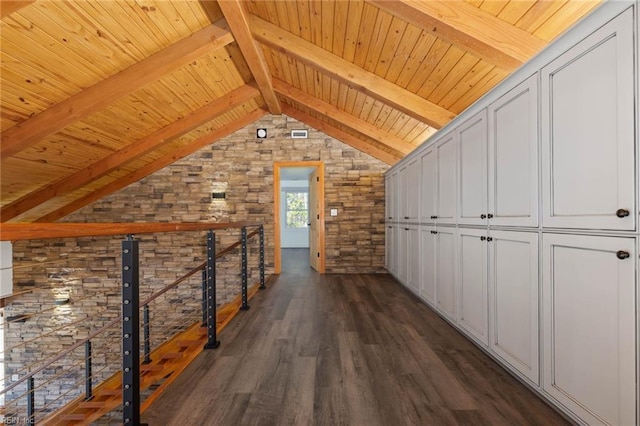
[622, 213]
[483, 216]
[622, 254]
[390, 217]
[489, 239]
[434, 232]
[406, 229]
[406, 217]
[391, 227]
[490, 216]
[483, 238]
[434, 217]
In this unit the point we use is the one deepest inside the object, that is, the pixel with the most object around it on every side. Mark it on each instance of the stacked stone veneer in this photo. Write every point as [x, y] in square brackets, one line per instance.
[88, 269]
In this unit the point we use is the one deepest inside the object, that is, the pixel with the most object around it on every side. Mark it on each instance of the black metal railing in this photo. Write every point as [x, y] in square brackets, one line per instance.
[136, 334]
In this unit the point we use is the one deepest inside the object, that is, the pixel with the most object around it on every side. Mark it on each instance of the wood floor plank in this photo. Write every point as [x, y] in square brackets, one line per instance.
[344, 350]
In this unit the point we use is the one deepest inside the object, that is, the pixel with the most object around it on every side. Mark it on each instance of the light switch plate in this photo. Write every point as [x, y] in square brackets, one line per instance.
[334, 212]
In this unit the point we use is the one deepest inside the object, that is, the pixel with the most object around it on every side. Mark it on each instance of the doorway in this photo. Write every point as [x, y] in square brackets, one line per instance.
[289, 213]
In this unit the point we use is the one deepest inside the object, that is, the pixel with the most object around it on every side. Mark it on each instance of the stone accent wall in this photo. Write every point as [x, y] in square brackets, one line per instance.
[87, 269]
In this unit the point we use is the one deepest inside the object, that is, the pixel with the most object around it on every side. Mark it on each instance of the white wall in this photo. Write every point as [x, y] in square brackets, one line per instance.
[6, 268]
[292, 238]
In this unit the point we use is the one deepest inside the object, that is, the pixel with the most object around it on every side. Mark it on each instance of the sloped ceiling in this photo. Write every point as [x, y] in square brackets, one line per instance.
[96, 95]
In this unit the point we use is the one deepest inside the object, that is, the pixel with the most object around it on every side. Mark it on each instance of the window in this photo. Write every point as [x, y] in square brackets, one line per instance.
[296, 209]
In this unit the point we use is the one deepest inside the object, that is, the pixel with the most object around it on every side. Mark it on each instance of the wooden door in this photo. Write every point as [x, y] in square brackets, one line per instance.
[428, 264]
[446, 271]
[446, 186]
[472, 283]
[588, 132]
[314, 220]
[513, 156]
[428, 179]
[588, 309]
[472, 163]
[513, 300]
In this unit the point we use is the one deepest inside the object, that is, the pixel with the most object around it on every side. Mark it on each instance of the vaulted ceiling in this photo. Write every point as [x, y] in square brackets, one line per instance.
[96, 95]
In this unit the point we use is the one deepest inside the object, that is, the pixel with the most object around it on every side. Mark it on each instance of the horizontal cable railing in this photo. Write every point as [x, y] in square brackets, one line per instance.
[110, 357]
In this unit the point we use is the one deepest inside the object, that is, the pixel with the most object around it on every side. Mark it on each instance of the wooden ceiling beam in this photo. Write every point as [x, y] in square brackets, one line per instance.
[469, 28]
[342, 70]
[236, 17]
[109, 90]
[130, 152]
[7, 7]
[344, 137]
[154, 166]
[355, 123]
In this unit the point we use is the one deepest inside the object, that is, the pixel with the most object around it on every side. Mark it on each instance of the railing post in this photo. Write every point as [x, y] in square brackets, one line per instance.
[130, 333]
[243, 272]
[147, 335]
[262, 286]
[88, 387]
[212, 316]
[204, 296]
[31, 402]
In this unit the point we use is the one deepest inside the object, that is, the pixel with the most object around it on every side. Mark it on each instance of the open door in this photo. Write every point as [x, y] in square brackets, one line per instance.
[314, 221]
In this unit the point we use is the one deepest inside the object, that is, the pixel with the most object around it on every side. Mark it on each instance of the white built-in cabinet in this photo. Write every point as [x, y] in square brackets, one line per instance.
[589, 335]
[517, 221]
[588, 133]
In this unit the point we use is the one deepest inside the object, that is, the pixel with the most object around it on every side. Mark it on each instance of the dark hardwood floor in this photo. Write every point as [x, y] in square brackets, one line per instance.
[344, 350]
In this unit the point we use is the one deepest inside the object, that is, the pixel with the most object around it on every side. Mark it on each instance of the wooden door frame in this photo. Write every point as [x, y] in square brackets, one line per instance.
[277, 165]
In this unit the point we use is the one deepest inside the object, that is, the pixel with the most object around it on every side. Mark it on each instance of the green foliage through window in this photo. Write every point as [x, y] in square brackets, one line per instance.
[297, 209]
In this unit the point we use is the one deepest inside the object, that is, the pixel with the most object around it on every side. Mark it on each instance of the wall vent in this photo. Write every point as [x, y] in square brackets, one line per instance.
[299, 134]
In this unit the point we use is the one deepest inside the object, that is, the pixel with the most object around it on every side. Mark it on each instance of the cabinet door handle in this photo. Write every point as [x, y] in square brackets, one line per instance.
[622, 254]
[390, 217]
[490, 216]
[434, 232]
[483, 216]
[406, 229]
[390, 227]
[406, 217]
[434, 217]
[622, 213]
[489, 239]
[483, 238]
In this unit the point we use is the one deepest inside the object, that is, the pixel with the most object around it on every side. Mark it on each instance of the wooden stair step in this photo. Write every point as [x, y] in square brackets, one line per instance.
[188, 343]
[172, 355]
[91, 404]
[109, 392]
[151, 367]
[73, 417]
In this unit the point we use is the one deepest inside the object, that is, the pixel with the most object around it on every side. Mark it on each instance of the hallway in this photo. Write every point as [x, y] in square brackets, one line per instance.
[344, 350]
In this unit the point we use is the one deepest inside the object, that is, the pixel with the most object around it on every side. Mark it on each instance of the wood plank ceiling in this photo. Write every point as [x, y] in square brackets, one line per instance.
[96, 95]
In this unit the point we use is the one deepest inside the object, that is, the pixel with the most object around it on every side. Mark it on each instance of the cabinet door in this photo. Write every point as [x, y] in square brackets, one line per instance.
[472, 283]
[428, 190]
[393, 209]
[390, 248]
[428, 263]
[589, 329]
[387, 198]
[401, 254]
[413, 257]
[513, 156]
[446, 271]
[513, 300]
[412, 190]
[472, 163]
[446, 183]
[401, 189]
[588, 125]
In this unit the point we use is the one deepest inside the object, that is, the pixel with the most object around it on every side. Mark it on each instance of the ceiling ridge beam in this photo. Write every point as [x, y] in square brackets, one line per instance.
[342, 70]
[155, 165]
[7, 7]
[344, 137]
[130, 152]
[349, 120]
[468, 28]
[109, 90]
[236, 16]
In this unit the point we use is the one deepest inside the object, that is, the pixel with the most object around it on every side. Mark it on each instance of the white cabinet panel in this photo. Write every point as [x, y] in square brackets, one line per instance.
[390, 247]
[401, 253]
[472, 163]
[388, 193]
[588, 141]
[413, 257]
[513, 156]
[446, 271]
[412, 191]
[446, 184]
[428, 263]
[589, 340]
[428, 188]
[401, 189]
[513, 300]
[393, 208]
[472, 283]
